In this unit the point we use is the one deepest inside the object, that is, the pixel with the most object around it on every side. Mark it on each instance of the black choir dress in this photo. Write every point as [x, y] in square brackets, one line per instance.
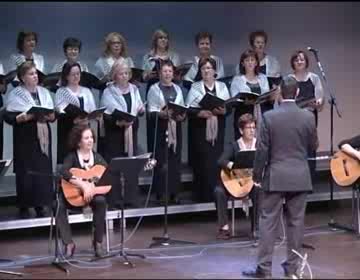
[115, 147]
[33, 190]
[203, 155]
[307, 89]
[243, 109]
[65, 124]
[161, 150]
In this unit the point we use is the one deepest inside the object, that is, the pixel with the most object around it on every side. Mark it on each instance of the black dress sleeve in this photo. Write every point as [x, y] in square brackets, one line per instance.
[353, 142]
[69, 162]
[10, 117]
[226, 156]
[98, 159]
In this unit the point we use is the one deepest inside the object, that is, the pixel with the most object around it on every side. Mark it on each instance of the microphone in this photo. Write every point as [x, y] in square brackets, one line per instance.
[310, 49]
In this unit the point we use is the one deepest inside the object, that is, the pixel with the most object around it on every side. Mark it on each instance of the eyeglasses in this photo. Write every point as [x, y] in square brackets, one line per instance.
[250, 127]
[162, 37]
[115, 42]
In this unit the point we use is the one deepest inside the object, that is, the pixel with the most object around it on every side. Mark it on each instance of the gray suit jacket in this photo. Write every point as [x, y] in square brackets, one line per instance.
[287, 135]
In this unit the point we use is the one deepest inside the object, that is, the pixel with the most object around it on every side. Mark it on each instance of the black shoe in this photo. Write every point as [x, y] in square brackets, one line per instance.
[289, 273]
[223, 234]
[257, 273]
[40, 212]
[24, 213]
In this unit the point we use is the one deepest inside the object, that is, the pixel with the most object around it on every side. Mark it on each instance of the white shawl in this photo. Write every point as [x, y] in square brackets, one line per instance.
[196, 94]
[112, 99]
[20, 100]
[156, 102]
[65, 96]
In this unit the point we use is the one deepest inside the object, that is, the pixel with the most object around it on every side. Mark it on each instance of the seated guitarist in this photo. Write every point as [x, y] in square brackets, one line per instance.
[247, 141]
[81, 143]
[349, 146]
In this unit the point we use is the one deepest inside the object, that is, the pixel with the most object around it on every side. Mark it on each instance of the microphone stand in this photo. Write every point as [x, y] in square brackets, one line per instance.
[165, 240]
[57, 263]
[333, 103]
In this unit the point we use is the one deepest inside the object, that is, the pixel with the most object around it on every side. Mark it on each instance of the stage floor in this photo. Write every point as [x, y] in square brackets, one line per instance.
[335, 255]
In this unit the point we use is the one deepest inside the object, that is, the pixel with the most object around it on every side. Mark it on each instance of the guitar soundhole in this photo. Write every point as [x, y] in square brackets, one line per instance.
[345, 168]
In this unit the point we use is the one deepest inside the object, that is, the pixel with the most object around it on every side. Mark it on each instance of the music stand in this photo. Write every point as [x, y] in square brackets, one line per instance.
[131, 166]
[245, 160]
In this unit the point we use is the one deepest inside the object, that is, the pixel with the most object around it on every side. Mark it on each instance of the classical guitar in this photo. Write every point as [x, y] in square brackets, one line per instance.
[344, 169]
[238, 182]
[74, 195]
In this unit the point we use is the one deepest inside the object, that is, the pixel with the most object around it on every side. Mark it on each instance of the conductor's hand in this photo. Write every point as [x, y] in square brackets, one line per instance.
[88, 191]
[205, 114]
[219, 111]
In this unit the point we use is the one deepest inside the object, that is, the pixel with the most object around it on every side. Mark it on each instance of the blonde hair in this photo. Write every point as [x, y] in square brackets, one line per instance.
[158, 33]
[118, 65]
[109, 38]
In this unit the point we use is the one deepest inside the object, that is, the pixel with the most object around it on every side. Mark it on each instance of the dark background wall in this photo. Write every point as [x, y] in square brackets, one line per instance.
[333, 28]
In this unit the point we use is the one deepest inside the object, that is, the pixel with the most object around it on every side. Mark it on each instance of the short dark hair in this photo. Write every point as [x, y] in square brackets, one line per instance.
[245, 119]
[245, 55]
[23, 68]
[168, 63]
[257, 33]
[294, 57]
[289, 87]
[21, 39]
[66, 71]
[205, 60]
[203, 35]
[75, 135]
[71, 42]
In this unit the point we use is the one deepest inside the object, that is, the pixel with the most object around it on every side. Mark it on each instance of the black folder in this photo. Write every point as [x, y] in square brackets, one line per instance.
[266, 96]
[91, 81]
[210, 102]
[75, 111]
[40, 111]
[7, 78]
[137, 75]
[123, 116]
[51, 81]
[182, 69]
[177, 108]
[244, 159]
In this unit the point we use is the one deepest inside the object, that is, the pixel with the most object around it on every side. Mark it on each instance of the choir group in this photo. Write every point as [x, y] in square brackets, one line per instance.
[167, 82]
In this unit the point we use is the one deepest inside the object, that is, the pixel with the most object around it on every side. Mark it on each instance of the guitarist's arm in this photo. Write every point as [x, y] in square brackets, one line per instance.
[86, 187]
[226, 159]
[349, 146]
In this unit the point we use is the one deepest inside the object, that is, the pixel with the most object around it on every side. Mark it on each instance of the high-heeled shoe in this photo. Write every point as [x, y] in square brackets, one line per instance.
[69, 250]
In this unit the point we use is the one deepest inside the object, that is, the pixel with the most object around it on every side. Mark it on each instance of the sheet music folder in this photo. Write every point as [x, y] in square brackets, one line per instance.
[244, 159]
[210, 102]
[77, 112]
[177, 108]
[129, 166]
[38, 110]
[121, 115]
